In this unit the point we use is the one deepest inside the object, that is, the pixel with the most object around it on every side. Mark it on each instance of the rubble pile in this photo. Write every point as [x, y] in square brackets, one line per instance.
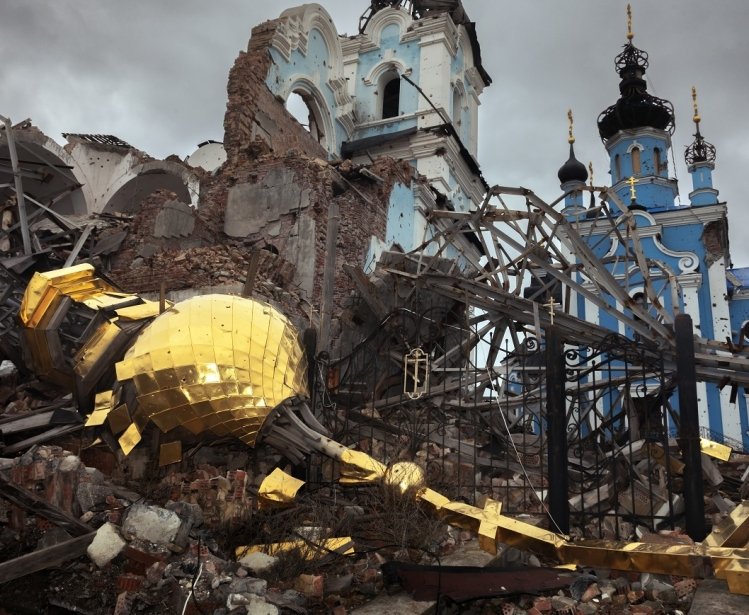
[589, 594]
[180, 545]
[177, 550]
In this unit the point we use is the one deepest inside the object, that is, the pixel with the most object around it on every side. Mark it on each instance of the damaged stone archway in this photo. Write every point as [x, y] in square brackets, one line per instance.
[129, 191]
[50, 175]
[320, 121]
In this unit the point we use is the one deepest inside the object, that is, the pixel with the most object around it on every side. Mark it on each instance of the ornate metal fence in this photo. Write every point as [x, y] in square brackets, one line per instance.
[481, 431]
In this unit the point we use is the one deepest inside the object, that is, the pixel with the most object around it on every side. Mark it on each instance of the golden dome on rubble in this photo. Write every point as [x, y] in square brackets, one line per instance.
[214, 363]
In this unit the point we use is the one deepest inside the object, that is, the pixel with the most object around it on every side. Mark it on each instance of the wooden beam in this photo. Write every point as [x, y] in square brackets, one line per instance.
[23, 498]
[367, 290]
[252, 269]
[45, 558]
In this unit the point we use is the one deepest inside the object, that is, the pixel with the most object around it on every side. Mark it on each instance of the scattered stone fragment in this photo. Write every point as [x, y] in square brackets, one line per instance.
[107, 545]
[151, 523]
[258, 562]
[310, 585]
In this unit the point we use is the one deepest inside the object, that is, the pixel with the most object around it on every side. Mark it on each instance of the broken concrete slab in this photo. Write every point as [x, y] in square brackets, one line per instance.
[151, 523]
[176, 219]
[258, 561]
[713, 598]
[107, 545]
[250, 207]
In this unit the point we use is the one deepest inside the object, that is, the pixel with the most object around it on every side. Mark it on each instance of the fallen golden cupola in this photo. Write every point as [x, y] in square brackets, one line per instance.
[213, 363]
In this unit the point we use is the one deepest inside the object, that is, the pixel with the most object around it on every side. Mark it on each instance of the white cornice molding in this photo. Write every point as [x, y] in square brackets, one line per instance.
[678, 216]
[473, 77]
[423, 146]
[655, 180]
[645, 131]
[430, 31]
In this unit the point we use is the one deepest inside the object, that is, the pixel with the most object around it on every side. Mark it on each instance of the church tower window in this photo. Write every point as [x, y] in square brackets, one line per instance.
[617, 168]
[636, 161]
[391, 98]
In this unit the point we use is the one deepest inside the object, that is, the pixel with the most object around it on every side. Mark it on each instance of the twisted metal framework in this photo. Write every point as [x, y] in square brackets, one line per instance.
[535, 258]
[699, 151]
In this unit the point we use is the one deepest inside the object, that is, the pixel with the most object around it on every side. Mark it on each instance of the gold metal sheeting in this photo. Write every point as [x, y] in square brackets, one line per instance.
[658, 453]
[278, 488]
[714, 449]
[39, 286]
[102, 407]
[487, 533]
[358, 467]
[129, 440]
[215, 363]
[119, 419]
[170, 452]
[488, 522]
[698, 560]
[166, 421]
[309, 550]
[737, 577]
[97, 417]
[142, 311]
[96, 348]
[46, 300]
[46, 291]
[681, 560]
[733, 530]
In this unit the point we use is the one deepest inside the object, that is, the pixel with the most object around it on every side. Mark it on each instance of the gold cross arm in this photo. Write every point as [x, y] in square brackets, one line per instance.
[632, 192]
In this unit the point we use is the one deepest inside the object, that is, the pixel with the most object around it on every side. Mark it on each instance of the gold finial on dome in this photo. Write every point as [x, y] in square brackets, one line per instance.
[696, 118]
[630, 34]
[571, 138]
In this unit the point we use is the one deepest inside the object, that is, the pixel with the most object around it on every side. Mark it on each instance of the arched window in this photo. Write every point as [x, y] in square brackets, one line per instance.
[636, 163]
[391, 94]
[660, 165]
[617, 168]
[457, 106]
[298, 105]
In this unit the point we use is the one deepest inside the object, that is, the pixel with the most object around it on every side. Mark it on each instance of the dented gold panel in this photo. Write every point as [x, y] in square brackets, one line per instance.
[129, 440]
[358, 467]
[170, 452]
[278, 488]
[737, 577]
[343, 546]
[102, 407]
[733, 531]
[715, 449]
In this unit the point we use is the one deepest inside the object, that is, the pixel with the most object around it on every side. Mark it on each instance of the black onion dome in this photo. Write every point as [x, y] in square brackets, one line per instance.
[635, 107]
[572, 170]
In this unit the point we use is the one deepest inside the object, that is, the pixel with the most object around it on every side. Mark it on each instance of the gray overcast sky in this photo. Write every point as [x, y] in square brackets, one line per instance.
[153, 72]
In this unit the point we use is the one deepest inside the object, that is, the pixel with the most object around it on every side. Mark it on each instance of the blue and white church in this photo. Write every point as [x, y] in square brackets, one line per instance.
[686, 245]
[406, 86]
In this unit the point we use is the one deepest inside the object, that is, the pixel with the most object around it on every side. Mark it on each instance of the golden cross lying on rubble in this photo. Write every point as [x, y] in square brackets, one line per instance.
[551, 305]
[632, 193]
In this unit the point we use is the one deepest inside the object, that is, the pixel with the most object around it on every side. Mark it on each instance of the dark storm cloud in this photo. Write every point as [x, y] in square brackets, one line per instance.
[154, 73]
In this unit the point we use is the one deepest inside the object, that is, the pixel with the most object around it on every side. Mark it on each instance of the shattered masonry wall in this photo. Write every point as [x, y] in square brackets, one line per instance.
[272, 194]
[253, 113]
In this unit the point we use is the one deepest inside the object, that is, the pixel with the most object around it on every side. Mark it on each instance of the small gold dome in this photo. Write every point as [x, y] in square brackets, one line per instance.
[405, 476]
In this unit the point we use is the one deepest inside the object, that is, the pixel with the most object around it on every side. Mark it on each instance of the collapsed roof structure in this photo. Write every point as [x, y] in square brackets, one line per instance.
[423, 295]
